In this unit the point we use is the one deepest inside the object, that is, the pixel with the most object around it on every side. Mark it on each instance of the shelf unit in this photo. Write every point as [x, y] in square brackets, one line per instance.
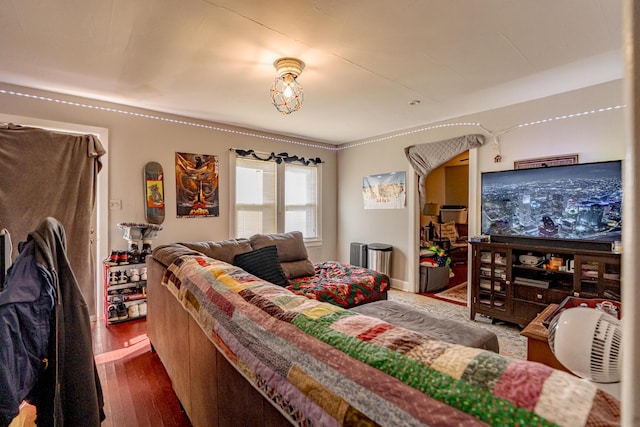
[125, 292]
[516, 281]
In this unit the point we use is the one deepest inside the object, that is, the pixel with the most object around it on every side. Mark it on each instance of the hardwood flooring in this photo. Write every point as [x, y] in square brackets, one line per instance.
[137, 390]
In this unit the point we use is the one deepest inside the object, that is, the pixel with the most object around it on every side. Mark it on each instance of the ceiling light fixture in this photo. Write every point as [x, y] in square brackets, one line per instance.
[286, 92]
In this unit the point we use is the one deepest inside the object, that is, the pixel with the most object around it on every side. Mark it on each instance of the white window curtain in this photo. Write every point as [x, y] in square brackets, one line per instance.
[276, 193]
[256, 191]
[301, 199]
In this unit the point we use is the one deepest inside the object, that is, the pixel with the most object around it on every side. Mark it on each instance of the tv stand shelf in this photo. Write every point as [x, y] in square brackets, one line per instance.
[515, 281]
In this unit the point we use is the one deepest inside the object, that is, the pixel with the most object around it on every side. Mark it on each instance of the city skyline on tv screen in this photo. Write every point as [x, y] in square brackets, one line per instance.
[581, 201]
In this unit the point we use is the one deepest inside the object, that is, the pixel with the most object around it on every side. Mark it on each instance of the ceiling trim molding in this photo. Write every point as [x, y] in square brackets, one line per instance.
[164, 119]
[495, 135]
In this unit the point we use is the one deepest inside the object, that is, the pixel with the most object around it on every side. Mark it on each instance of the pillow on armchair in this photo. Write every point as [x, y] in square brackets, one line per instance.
[447, 231]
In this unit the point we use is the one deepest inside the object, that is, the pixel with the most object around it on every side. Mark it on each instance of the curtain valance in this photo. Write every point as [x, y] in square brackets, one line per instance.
[426, 157]
[278, 158]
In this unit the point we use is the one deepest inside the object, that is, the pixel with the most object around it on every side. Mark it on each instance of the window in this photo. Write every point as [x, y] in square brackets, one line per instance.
[256, 190]
[276, 197]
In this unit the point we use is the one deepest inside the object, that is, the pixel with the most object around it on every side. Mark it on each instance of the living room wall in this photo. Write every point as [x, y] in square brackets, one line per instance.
[536, 128]
[136, 138]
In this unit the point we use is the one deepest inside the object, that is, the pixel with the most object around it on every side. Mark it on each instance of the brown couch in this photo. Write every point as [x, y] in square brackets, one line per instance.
[210, 389]
[241, 351]
[282, 259]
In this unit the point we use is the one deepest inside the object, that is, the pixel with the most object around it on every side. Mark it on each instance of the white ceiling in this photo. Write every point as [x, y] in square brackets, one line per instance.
[365, 59]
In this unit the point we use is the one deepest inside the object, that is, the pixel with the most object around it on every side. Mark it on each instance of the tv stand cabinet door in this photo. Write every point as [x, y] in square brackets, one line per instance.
[491, 281]
[597, 276]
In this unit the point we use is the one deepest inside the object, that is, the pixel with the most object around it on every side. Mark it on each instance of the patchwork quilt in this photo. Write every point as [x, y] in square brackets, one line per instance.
[327, 366]
[345, 285]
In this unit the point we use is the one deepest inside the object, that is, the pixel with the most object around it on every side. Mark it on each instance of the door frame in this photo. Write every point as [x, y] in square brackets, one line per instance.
[473, 223]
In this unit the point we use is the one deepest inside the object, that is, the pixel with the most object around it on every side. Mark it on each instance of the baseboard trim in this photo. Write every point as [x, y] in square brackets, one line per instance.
[401, 285]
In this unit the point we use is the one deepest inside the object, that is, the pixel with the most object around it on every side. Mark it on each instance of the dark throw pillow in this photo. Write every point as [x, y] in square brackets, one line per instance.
[262, 263]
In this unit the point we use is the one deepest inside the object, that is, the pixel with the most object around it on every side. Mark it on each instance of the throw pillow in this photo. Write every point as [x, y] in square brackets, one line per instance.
[290, 245]
[262, 263]
[295, 269]
[292, 252]
[447, 231]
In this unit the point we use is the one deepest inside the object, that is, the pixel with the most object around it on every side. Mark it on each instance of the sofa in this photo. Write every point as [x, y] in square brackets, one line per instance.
[282, 259]
[241, 350]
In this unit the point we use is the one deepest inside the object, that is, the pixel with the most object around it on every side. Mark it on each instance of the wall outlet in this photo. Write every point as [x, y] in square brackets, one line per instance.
[115, 205]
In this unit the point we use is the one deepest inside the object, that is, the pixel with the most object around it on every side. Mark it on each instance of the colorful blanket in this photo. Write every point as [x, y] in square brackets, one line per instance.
[327, 366]
[345, 285]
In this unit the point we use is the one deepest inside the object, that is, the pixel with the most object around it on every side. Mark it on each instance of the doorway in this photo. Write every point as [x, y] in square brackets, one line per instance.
[448, 186]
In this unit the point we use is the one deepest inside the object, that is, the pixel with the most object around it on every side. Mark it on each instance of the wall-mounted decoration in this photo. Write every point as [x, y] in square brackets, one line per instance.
[196, 185]
[384, 191]
[543, 162]
[154, 193]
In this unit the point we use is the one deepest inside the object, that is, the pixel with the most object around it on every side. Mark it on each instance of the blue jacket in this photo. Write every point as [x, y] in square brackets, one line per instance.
[67, 391]
[26, 304]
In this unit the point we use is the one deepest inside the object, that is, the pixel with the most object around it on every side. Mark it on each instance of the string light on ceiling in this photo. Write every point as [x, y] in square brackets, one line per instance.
[252, 134]
[286, 92]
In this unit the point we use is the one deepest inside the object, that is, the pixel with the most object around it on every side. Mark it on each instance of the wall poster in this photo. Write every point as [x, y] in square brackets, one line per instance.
[196, 185]
[384, 191]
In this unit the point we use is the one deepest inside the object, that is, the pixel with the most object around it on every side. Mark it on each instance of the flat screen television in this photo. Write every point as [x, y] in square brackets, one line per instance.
[578, 202]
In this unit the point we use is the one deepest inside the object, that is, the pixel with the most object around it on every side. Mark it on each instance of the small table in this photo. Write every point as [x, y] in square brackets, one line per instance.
[538, 349]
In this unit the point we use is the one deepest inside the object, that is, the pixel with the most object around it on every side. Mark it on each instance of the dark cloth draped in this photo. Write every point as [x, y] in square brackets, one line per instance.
[51, 174]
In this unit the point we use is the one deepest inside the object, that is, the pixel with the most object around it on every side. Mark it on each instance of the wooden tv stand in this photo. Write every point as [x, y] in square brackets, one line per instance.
[506, 288]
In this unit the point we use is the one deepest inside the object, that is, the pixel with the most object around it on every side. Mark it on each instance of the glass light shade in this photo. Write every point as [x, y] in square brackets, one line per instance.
[286, 94]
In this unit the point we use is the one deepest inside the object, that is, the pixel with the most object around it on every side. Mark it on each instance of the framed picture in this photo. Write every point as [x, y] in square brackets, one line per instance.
[196, 185]
[384, 191]
[541, 162]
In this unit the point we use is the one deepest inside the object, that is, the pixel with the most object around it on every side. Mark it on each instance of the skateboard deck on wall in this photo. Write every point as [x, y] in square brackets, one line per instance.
[154, 193]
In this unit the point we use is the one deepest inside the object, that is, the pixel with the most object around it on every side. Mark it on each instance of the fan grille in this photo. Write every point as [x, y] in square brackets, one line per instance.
[604, 358]
[605, 351]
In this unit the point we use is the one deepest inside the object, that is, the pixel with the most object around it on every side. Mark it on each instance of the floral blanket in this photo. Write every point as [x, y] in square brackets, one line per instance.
[345, 285]
[327, 366]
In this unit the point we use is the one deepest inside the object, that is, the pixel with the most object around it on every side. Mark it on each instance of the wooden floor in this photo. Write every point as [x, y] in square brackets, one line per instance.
[137, 390]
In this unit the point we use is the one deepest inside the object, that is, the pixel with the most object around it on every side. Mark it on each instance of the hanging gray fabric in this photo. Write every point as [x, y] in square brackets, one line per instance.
[426, 157]
[51, 174]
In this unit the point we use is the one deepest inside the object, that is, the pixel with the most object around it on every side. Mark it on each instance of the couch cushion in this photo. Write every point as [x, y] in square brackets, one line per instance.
[262, 263]
[290, 245]
[166, 254]
[451, 331]
[302, 268]
[224, 250]
[292, 252]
